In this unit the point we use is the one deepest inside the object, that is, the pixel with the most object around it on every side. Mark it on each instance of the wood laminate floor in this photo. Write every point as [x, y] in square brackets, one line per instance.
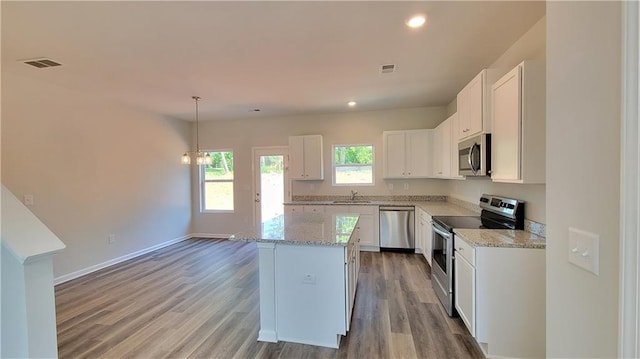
[199, 299]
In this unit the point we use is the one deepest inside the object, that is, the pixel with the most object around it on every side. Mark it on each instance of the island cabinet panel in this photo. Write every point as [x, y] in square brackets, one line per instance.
[305, 157]
[310, 288]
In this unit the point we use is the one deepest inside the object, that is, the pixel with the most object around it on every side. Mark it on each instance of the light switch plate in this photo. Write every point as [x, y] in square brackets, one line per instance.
[584, 250]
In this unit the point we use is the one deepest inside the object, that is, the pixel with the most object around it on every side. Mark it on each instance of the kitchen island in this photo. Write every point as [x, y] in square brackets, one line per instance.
[308, 269]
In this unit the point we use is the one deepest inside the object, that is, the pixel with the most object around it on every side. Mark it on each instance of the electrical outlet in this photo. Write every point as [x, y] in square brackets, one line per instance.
[28, 200]
[309, 279]
[406, 186]
[390, 186]
[112, 238]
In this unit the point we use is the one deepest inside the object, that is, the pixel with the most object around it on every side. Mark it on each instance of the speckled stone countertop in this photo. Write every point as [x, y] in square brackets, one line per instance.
[307, 229]
[434, 208]
[504, 238]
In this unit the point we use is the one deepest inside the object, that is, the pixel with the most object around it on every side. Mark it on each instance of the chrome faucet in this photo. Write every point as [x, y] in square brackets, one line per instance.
[353, 195]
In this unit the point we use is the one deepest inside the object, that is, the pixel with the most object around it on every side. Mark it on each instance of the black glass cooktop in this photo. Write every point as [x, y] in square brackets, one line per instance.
[471, 222]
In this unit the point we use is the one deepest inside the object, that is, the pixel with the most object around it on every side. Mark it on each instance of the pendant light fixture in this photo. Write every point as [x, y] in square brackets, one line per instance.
[201, 158]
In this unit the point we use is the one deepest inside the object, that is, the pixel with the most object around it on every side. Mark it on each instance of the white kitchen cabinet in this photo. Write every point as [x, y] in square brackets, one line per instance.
[442, 149]
[407, 154]
[313, 209]
[423, 234]
[518, 125]
[293, 209]
[351, 275]
[424, 221]
[474, 105]
[368, 228]
[500, 296]
[455, 138]
[465, 284]
[305, 157]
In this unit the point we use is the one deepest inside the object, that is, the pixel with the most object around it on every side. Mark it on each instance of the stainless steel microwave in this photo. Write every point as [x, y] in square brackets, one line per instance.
[475, 156]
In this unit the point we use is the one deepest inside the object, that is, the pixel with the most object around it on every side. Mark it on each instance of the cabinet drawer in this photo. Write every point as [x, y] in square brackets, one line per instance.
[314, 209]
[362, 209]
[465, 249]
[293, 209]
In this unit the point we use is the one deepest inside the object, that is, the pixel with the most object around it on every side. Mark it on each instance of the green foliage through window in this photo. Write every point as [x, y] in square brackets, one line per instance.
[217, 182]
[353, 164]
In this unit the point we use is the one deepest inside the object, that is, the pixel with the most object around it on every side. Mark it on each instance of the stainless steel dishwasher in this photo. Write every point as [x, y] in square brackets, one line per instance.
[397, 227]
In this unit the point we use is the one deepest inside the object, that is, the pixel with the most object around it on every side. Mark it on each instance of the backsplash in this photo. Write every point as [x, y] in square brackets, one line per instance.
[415, 198]
[529, 226]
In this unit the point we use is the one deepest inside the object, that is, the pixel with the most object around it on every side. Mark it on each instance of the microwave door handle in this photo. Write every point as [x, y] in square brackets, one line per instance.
[474, 167]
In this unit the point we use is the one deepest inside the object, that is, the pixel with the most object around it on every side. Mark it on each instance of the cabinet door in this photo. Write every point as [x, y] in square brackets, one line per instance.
[428, 237]
[463, 114]
[313, 166]
[365, 230]
[394, 154]
[465, 289]
[443, 148]
[437, 151]
[417, 153]
[455, 138]
[475, 99]
[506, 132]
[296, 157]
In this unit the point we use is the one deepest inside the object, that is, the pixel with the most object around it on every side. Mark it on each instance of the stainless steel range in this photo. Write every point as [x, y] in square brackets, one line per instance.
[497, 213]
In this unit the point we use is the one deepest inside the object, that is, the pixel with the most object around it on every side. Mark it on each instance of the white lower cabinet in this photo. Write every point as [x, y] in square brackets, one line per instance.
[368, 228]
[500, 296]
[423, 234]
[465, 284]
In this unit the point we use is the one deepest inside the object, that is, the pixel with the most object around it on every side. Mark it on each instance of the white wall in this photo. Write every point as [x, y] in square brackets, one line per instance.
[583, 122]
[340, 128]
[530, 46]
[95, 167]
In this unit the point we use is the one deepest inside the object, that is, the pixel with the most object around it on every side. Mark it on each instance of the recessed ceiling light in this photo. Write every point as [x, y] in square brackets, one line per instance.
[351, 103]
[416, 21]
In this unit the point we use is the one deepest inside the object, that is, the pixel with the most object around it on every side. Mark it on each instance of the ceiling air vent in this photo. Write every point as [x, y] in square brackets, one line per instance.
[41, 63]
[387, 69]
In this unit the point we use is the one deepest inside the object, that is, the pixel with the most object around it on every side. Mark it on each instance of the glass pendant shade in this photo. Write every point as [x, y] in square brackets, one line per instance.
[186, 159]
[200, 157]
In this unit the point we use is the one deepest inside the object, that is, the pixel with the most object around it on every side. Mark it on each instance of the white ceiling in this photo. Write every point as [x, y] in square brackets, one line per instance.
[285, 58]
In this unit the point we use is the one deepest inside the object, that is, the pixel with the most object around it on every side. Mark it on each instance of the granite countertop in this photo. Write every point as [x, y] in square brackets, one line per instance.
[434, 208]
[308, 229]
[504, 238]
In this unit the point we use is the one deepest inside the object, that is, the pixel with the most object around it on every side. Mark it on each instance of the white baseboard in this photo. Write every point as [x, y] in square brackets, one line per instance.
[91, 269]
[209, 235]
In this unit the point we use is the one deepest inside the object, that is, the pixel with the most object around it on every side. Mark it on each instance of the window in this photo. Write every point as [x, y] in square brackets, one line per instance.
[217, 183]
[352, 165]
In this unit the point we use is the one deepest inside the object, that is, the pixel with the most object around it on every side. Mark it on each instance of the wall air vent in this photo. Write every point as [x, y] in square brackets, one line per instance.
[41, 63]
[387, 69]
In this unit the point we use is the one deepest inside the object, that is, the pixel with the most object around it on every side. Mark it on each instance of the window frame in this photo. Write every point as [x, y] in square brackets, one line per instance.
[203, 182]
[334, 166]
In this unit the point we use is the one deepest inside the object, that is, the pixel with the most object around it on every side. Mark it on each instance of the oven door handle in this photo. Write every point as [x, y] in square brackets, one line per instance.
[441, 232]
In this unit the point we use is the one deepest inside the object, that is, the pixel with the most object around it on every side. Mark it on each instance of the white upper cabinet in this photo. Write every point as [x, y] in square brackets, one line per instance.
[406, 154]
[305, 157]
[442, 149]
[455, 137]
[518, 125]
[474, 105]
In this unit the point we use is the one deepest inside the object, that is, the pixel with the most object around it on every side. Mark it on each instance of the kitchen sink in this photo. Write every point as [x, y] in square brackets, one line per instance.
[347, 201]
